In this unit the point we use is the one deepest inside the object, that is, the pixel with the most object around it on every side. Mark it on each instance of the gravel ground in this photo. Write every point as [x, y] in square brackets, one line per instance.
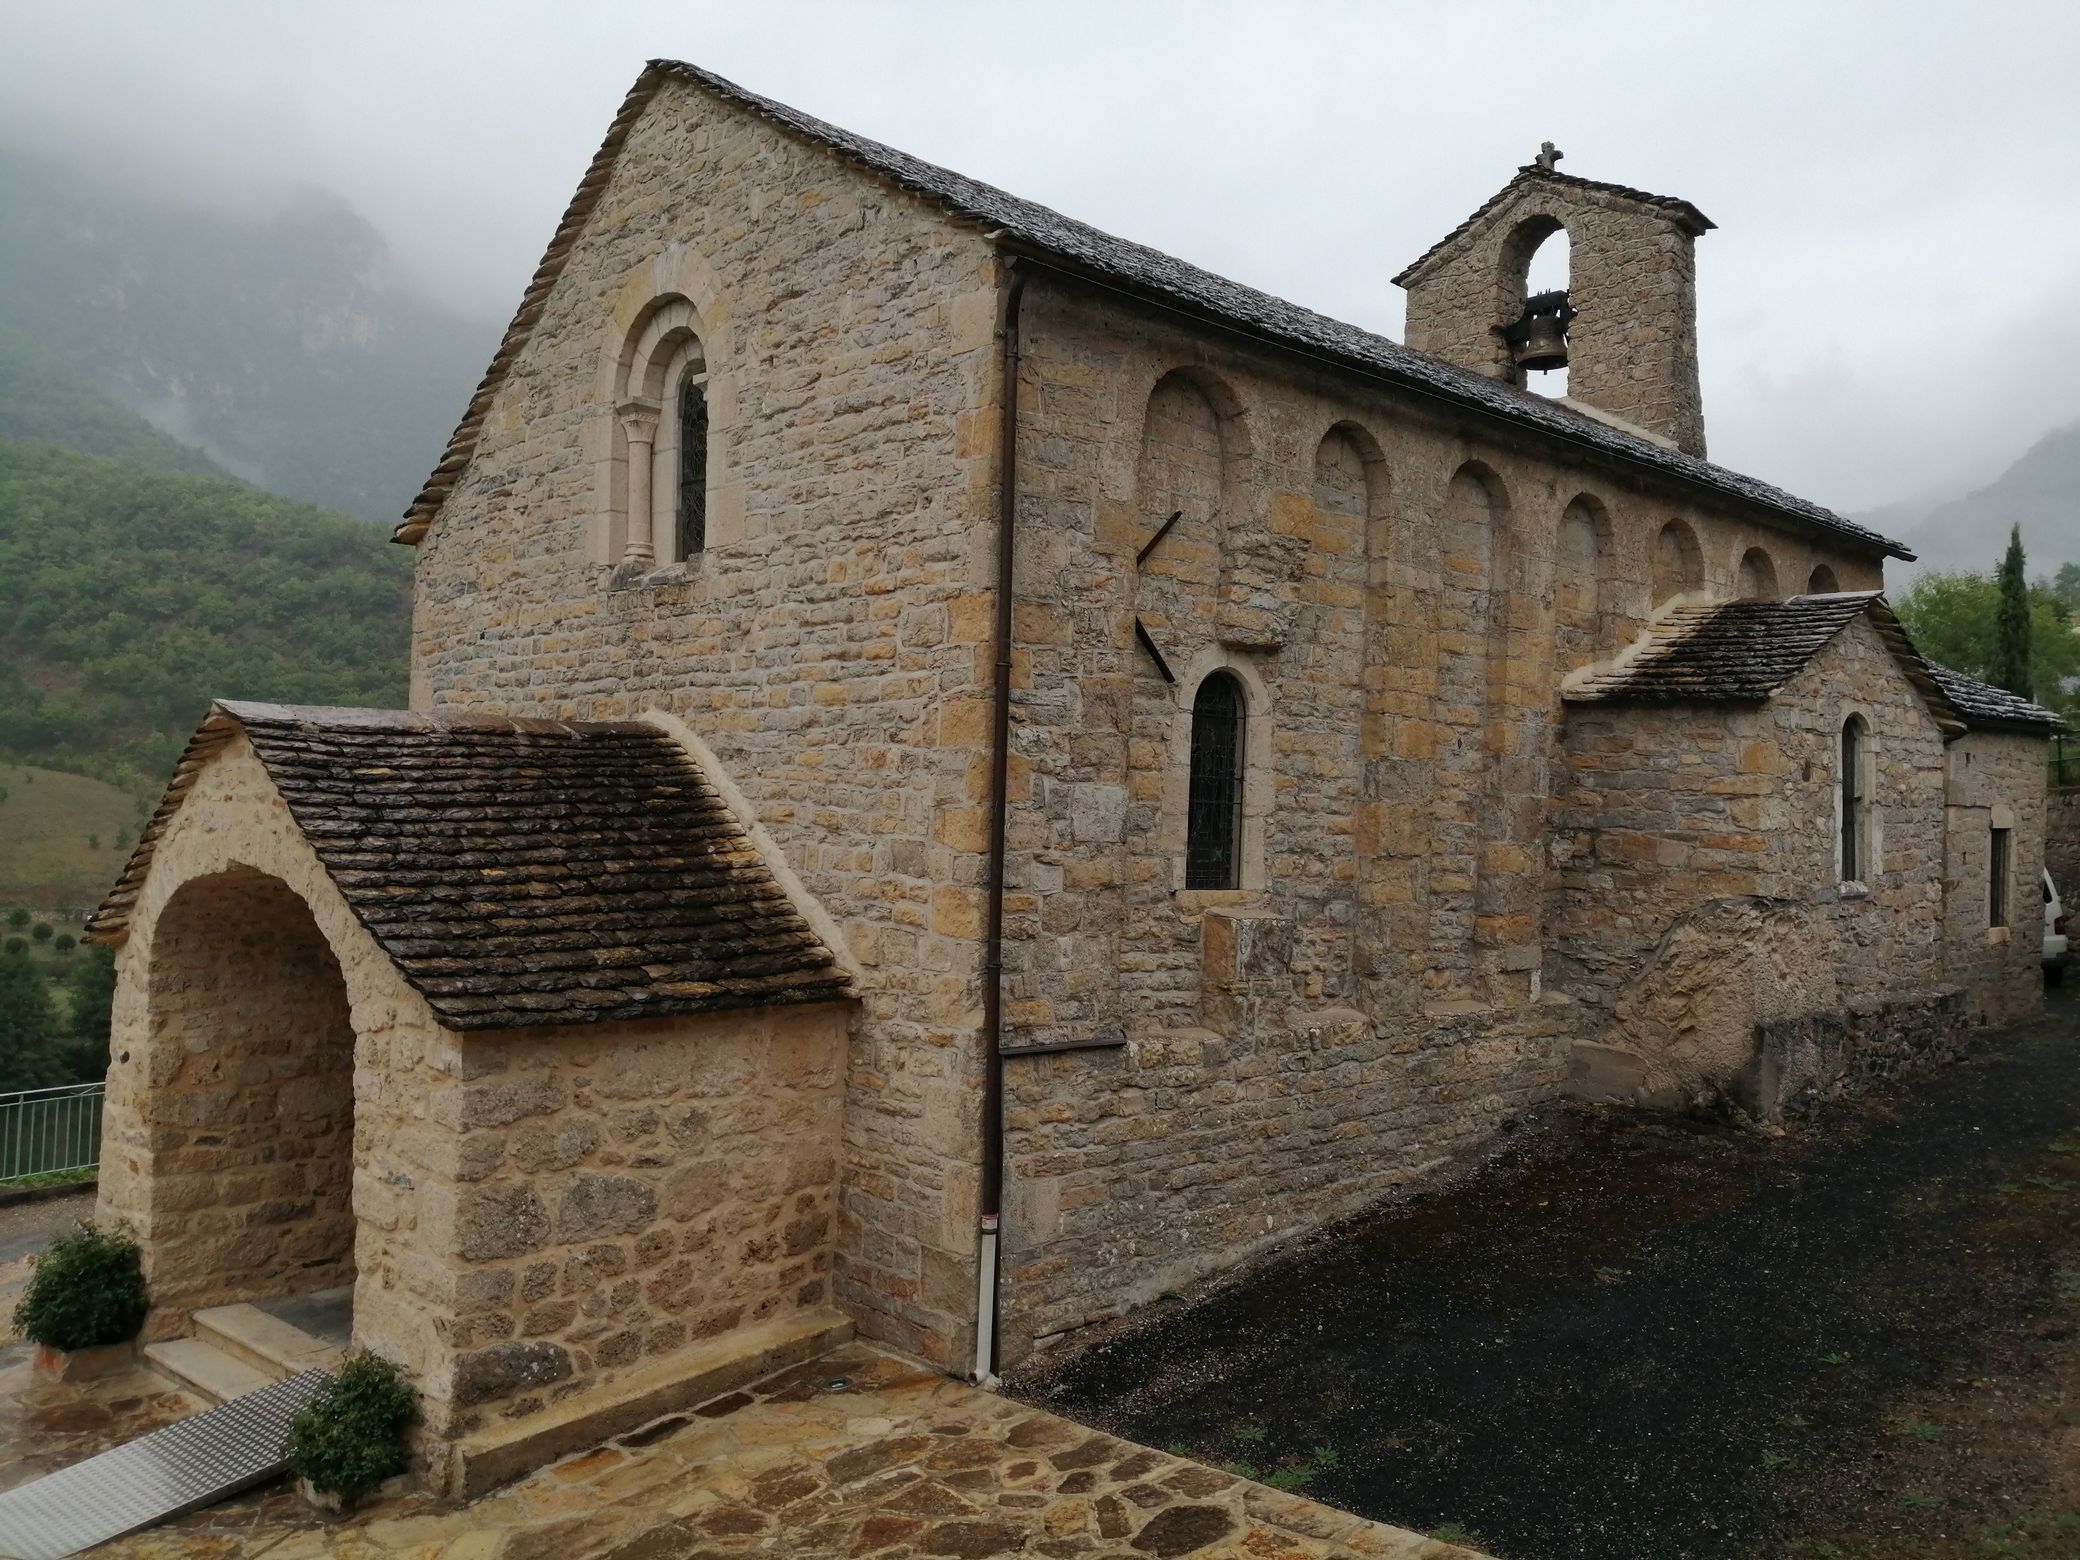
[1634, 1338]
[27, 1227]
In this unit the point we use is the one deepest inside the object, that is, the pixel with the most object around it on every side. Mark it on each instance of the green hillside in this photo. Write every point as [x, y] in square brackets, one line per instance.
[129, 598]
[42, 400]
[63, 837]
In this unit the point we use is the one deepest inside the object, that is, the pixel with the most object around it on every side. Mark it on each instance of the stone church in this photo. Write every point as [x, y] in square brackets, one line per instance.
[964, 772]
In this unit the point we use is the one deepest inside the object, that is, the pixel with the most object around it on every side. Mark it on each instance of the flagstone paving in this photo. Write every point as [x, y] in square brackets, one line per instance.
[895, 1463]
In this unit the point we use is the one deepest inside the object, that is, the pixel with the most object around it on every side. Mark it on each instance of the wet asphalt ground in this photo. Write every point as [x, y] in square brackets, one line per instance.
[1630, 1338]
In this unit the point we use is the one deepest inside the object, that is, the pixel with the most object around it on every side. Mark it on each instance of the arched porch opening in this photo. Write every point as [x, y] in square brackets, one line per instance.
[249, 1112]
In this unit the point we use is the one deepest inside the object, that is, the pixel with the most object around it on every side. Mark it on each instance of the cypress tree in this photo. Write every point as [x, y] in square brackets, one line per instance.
[2011, 655]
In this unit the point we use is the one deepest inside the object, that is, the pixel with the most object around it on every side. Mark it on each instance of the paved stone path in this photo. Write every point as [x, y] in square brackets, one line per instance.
[900, 1463]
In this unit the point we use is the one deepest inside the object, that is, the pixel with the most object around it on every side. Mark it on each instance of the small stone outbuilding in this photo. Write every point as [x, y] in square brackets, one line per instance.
[509, 1024]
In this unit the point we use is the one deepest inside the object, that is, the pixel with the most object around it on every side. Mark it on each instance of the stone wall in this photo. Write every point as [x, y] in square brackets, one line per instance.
[606, 1195]
[1698, 899]
[829, 646]
[1632, 274]
[240, 1092]
[1394, 589]
[1995, 780]
[2062, 840]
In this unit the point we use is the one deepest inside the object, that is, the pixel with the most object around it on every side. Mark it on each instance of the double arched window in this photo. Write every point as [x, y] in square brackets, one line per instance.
[661, 434]
[1213, 808]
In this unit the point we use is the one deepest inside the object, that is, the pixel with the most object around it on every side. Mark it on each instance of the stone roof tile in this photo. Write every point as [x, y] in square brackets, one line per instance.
[1991, 708]
[1027, 227]
[1744, 651]
[524, 871]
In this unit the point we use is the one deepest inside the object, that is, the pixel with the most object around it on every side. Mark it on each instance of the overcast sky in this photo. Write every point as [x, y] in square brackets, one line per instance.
[1890, 305]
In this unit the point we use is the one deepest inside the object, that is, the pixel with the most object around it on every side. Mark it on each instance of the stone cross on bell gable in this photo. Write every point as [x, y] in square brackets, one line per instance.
[1548, 154]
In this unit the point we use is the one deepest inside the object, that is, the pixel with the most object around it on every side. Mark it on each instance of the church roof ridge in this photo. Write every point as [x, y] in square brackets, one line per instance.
[1023, 226]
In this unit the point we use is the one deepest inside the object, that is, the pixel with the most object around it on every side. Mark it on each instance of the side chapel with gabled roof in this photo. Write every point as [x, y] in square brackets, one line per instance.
[964, 772]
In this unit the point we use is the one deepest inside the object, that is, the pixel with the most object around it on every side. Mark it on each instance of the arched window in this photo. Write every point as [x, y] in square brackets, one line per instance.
[693, 465]
[659, 510]
[1213, 810]
[1855, 807]
[1821, 582]
[1758, 576]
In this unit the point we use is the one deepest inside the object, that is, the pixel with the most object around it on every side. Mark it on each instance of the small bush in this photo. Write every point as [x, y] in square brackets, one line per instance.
[350, 1436]
[41, 931]
[16, 945]
[86, 1289]
[18, 916]
[64, 942]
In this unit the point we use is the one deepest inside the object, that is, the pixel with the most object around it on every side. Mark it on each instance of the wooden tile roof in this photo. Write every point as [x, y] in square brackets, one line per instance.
[523, 872]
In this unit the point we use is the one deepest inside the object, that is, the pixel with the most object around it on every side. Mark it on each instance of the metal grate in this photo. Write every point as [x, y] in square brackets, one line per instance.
[184, 1467]
[1213, 813]
[693, 468]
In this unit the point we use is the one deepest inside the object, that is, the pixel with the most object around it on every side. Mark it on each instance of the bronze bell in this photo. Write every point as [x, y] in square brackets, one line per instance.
[1538, 339]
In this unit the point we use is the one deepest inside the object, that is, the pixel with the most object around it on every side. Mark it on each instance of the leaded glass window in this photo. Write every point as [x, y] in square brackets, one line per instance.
[1213, 824]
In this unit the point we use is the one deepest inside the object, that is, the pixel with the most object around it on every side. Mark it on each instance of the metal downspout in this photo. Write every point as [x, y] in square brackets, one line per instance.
[991, 1193]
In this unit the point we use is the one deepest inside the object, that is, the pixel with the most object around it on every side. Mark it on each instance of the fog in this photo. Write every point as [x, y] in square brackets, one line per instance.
[1886, 306]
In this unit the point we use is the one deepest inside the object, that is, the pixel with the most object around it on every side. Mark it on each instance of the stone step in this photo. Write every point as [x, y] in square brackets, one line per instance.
[205, 1369]
[268, 1344]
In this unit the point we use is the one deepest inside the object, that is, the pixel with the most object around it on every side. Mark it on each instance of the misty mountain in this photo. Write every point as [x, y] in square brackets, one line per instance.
[2040, 492]
[284, 343]
[43, 401]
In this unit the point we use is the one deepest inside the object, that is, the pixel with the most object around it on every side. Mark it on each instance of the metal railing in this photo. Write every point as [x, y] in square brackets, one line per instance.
[48, 1131]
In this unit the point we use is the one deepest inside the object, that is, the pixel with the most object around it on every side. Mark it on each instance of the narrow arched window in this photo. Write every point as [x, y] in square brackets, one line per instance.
[1213, 820]
[1855, 801]
[693, 466]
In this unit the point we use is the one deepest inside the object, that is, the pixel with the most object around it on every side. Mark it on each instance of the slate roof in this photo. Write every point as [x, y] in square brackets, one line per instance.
[1991, 708]
[1735, 652]
[1678, 210]
[1024, 227]
[523, 872]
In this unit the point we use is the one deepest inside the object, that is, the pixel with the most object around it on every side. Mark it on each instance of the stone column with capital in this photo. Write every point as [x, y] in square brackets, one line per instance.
[639, 423]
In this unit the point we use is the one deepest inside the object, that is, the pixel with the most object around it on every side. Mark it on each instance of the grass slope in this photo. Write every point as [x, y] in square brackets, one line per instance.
[63, 837]
[130, 598]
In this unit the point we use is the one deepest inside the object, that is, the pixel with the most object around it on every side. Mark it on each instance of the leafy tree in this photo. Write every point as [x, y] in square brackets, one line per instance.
[29, 1052]
[2064, 586]
[65, 942]
[18, 916]
[15, 945]
[90, 994]
[1951, 618]
[2011, 625]
[41, 931]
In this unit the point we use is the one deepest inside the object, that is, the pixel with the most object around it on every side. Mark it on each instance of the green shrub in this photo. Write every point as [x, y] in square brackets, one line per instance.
[17, 945]
[18, 916]
[41, 931]
[86, 1289]
[350, 1436]
[64, 942]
